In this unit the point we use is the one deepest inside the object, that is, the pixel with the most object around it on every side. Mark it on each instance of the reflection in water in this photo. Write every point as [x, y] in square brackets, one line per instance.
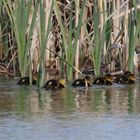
[70, 111]
[100, 100]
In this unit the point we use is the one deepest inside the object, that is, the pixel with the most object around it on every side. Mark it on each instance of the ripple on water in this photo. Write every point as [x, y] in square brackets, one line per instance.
[99, 113]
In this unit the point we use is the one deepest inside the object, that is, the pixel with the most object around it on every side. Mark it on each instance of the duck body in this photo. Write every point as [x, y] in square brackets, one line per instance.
[119, 79]
[126, 78]
[106, 80]
[26, 81]
[54, 84]
[99, 81]
[82, 82]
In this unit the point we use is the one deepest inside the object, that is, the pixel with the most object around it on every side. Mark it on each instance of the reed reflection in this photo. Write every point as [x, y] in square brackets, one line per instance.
[124, 99]
[111, 100]
[82, 99]
[62, 102]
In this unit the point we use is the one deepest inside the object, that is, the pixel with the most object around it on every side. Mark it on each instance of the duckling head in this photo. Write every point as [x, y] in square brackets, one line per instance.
[126, 73]
[131, 78]
[79, 82]
[62, 81]
[109, 78]
[51, 84]
[23, 81]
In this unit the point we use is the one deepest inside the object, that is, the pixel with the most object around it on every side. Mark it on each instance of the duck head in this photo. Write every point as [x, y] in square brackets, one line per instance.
[62, 81]
[131, 78]
[109, 78]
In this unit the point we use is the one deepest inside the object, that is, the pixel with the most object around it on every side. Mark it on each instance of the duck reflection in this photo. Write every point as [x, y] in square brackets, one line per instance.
[110, 100]
[62, 102]
[114, 100]
[82, 100]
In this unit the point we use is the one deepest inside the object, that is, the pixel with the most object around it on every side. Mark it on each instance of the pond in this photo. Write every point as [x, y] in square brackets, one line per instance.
[99, 113]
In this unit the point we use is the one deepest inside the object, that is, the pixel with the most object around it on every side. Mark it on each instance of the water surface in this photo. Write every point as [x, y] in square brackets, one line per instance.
[100, 113]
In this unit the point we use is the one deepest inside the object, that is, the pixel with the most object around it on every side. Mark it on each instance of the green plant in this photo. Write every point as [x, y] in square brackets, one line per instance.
[134, 29]
[22, 15]
[67, 37]
[44, 31]
[99, 37]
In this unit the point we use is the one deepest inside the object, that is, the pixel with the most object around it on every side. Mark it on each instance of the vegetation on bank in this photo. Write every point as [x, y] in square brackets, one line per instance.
[68, 38]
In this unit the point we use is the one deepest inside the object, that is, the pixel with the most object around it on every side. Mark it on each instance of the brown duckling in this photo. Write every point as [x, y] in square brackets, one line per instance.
[54, 84]
[26, 80]
[126, 78]
[106, 80]
[84, 82]
[130, 79]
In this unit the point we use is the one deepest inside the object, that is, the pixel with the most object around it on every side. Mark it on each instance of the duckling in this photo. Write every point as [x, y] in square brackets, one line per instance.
[99, 81]
[84, 82]
[126, 78]
[106, 80]
[118, 78]
[54, 84]
[131, 79]
[26, 80]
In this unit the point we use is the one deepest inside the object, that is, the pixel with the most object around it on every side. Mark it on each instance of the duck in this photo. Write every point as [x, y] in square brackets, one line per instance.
[106, 80]
[131, 79]
[126, 78]
[54, 84]
[26, 80]
[84, 82]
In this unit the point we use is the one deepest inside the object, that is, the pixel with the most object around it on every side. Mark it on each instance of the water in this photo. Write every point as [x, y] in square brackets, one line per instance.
[100, 113]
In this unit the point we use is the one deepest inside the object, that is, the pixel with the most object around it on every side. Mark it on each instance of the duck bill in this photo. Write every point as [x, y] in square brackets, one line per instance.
[63, 82]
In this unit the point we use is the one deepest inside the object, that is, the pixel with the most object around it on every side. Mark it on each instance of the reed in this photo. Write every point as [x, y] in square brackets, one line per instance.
[77, 34]
[5, 32]
[134, 29]
[79, 24]
[99, 37]
[20, 14]
[70, 37]
[44, 31]
[63, 34]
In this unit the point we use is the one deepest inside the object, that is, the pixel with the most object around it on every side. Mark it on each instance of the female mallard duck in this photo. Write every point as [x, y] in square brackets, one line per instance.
[106, 80]
[126, 78]
[54, 84]
[85, 82]
[26, 80]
